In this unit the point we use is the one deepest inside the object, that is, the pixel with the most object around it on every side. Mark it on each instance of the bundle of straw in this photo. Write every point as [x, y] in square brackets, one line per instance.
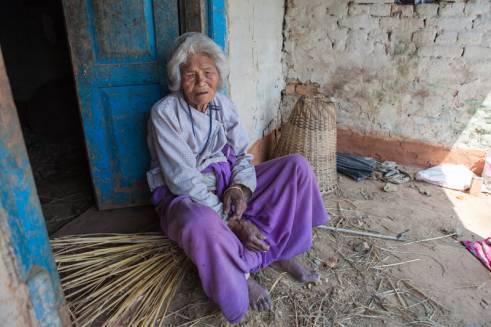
[121, 279]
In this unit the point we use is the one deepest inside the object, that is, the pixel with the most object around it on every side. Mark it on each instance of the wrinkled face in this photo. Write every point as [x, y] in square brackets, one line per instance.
[199, 80]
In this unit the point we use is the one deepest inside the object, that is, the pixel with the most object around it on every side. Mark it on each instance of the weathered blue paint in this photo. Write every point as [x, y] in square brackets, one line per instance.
[21, 218]
[43, 298]
[119, 49]
[217, 22]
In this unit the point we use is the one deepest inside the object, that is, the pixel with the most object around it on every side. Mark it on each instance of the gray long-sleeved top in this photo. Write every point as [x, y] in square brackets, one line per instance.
[180, 152]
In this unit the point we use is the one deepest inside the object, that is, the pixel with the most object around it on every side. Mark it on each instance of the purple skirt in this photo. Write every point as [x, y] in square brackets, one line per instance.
[285, 206]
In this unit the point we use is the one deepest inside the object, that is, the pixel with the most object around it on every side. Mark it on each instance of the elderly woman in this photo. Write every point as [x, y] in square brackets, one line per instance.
[229, 217]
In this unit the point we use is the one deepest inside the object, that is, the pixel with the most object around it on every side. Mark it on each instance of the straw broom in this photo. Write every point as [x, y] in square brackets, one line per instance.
[116, 277]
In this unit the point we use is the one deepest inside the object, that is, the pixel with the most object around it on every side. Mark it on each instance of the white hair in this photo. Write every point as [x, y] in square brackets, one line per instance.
[187, 45]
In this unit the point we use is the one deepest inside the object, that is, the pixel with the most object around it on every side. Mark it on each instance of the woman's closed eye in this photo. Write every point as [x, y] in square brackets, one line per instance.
[189, 76]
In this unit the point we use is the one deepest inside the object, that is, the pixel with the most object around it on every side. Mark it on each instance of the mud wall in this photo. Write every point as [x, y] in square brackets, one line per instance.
[417, 73]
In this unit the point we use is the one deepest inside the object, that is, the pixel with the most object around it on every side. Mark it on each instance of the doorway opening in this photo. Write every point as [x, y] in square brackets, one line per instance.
[35, 49]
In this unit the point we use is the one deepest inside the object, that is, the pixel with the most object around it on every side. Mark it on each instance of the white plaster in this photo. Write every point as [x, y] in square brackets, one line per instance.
[256, 76]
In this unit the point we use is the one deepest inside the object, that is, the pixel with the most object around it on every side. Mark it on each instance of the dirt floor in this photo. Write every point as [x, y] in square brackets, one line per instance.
[62, 177]
[365, 281]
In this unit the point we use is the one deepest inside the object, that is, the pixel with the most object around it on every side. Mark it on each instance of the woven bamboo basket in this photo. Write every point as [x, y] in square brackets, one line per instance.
[311, 132]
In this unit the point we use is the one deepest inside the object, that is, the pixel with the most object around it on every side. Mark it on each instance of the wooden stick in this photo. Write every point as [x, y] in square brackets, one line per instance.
[431, 239]
[362, 233]
[395, 264]
[399, 297]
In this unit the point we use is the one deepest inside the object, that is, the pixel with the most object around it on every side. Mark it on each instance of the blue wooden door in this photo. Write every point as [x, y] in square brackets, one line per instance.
[119, 50]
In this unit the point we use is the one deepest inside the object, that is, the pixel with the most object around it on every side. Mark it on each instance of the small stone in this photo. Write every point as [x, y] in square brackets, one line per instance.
[332, 262]
[388, 187]
[362, 247]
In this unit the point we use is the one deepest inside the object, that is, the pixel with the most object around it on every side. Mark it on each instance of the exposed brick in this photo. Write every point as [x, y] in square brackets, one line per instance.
[290, 88]
[469, 38]
[307, 89]
[356, 10]
[366, 67]
[474, 9]
[427, 10]
[450, 23]
[477, 53]
[402, 10]
[446, 37]
[424, 37]
[405, 23]
[359, 22]
[451, 9]
[380, 10]
[442, 51]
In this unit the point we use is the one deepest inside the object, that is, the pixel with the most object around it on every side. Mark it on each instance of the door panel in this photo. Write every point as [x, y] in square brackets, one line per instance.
[126, 111]
[119, 50]
[122, 31]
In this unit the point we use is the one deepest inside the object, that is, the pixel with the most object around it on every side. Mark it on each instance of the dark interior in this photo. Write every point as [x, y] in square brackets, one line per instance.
[36, 53]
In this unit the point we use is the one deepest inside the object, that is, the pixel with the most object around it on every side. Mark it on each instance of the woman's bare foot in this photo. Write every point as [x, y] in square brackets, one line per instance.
[298, 271]
[259, 298]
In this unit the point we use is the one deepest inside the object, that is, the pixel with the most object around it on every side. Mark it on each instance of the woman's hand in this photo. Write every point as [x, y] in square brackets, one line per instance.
[235, 201]
[248, 234]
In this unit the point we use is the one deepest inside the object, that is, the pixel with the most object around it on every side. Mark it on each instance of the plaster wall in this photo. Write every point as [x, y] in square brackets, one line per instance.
[255, 51]
[418, 72]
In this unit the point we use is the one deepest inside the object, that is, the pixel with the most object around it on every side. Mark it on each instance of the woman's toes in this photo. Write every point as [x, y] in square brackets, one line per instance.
[259, 298]
[260, 305]
[298, 271]
[268, 303]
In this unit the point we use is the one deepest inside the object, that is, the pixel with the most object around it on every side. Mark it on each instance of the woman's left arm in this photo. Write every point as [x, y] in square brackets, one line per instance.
[243, 172]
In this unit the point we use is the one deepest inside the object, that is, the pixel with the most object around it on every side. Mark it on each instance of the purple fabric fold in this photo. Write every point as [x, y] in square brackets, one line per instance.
[222, 170]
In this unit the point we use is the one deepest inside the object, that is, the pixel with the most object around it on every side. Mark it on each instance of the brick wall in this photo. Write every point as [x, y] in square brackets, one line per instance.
[409, 72]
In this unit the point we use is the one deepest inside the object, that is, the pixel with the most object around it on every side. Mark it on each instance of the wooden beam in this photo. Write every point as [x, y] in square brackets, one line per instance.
[192, 16]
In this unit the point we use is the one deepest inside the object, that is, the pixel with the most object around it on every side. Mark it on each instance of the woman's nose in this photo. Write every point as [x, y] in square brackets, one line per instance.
[201, 78]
